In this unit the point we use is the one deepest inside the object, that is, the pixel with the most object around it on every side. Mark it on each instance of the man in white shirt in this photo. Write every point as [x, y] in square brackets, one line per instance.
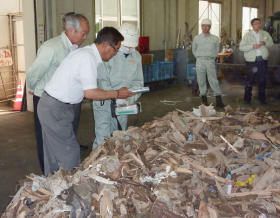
[73, 80]
[255, 46]
[50, 55]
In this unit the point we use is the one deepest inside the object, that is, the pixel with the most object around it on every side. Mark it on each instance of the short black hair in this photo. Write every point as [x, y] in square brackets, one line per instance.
[110, 35]
[255, 19]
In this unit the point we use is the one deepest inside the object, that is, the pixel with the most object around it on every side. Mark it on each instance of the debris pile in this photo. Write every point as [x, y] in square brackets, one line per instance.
[185, 164]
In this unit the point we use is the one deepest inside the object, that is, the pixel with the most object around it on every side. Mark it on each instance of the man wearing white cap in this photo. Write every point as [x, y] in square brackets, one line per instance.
[125, 69]
[205, 48]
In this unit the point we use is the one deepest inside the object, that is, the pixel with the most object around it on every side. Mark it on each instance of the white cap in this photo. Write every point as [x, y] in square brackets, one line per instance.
[206, 21]
[130, 34]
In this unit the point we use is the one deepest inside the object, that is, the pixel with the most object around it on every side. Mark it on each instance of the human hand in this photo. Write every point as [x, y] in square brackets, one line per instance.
[256, 46]
[123, 93]
[30, 92]
[262, 43]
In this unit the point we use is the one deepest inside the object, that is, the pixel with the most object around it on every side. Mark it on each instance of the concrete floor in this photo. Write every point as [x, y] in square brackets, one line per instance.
[18, 156]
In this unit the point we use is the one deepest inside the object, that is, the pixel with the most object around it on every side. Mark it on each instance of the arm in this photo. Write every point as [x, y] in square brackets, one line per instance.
[138, 81]
[194, 47]
[268, 40]
[245, 45]
[100, 94]
[217, 46]
[88, 79]
[39, 67]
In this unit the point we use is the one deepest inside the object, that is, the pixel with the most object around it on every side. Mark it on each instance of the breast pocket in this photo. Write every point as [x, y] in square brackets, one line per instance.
[129, 69]
[127, 72]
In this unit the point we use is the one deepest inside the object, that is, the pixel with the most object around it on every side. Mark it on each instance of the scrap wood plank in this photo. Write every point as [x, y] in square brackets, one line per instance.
[230, 145]
[210, 146]
[267, 192]
[190, 116]
[240, 169]
[205, 170]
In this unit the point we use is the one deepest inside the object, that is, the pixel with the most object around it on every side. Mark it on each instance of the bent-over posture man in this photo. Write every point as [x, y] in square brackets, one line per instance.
[73, 80]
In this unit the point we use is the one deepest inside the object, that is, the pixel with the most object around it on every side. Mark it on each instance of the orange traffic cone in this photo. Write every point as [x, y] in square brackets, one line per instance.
[18, 101]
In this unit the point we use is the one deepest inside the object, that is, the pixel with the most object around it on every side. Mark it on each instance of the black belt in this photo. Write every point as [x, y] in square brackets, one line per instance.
[113, 111]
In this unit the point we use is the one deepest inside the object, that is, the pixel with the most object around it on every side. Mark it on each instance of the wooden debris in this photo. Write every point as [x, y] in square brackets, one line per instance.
[226, 141]
[184, 164]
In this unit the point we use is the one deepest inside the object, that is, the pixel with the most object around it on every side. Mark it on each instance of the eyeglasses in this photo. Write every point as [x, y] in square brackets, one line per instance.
[115, 49]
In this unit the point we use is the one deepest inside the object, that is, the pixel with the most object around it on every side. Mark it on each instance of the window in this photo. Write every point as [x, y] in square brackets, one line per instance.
[115, 12]
[211, 11]
[247, 15]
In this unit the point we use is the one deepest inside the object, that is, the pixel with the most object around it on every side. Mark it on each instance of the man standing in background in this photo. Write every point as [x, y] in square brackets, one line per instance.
[205, 48]
[255, 46]
[49, 56]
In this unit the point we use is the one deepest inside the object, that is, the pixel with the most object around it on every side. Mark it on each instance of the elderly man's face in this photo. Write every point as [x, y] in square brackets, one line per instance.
[79, 36]
[205, 28]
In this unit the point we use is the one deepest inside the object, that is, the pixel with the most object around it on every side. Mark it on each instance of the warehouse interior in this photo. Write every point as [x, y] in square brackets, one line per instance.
[170, 27]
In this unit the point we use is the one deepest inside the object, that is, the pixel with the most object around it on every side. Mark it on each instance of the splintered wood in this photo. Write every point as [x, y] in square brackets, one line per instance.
[185, 164]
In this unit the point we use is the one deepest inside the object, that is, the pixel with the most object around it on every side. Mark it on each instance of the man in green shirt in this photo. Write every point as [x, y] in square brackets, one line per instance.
[49, 56]
[205, 48]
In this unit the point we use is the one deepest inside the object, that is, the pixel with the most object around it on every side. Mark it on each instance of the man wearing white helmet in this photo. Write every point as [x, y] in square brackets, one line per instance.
[125, 69]
[205, 48]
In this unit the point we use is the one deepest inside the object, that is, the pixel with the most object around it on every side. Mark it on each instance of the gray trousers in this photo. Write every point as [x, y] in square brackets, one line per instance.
[61, 148]
[76, 122]
[105, 124]
[207, 67]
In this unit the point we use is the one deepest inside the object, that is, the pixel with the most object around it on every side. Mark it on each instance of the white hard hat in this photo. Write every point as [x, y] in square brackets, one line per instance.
[130, 34]
[206, 21]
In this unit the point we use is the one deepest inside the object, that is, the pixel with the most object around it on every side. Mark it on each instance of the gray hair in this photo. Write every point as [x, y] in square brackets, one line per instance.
[74, 20]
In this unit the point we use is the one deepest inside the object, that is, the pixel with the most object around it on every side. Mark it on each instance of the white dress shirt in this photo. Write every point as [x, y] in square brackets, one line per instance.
[77, 72]
[257, 36]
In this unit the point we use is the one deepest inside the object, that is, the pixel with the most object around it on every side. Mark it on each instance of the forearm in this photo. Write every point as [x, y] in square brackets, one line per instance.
[268, 42]
[194, 48]
[194, 51]
[246, 45]
[32, 76]
[29, 83]
[100, 94]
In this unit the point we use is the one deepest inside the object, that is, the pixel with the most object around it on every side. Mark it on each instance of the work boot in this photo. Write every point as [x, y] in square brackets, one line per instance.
[247, 95]
[204, 100]
[219, 102]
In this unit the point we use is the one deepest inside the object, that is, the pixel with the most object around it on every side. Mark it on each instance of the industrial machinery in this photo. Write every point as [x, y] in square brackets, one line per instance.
[272, 25]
